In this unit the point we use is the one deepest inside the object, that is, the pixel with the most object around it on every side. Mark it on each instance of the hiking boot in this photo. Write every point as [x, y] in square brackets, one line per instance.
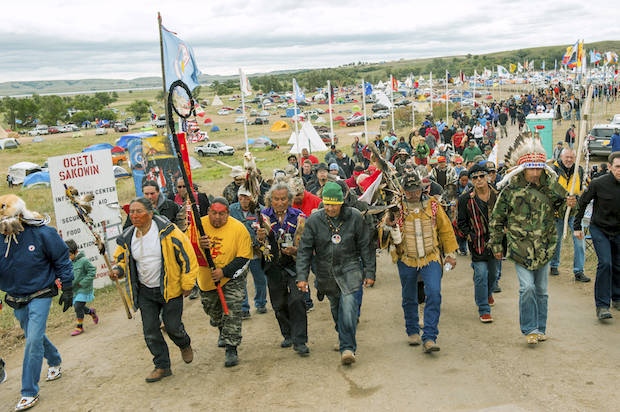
[187, 354]
[430, 346]
[194, 293]
[491, 301]
[347, 357]
[245, 314]
[603, 313]
[158, 374]
[286, 343]
[486, 318]
[231, 358]
[301, 349]
[581, 277]
[414, 340]
[554, 272]
[261, 310]
[616, 304]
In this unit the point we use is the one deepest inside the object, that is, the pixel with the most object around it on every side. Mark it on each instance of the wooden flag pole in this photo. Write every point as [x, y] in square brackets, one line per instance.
[245, 123]
[163, 72]
[331, 116]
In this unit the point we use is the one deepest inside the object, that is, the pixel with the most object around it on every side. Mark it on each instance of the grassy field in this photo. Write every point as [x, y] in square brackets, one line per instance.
[212, 177]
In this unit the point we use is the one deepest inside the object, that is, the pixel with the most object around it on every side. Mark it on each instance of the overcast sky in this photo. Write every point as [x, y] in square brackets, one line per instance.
[48, 39]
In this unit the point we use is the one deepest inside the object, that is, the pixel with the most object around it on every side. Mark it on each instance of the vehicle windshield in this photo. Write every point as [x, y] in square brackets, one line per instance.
[602, 133]
[218, 144]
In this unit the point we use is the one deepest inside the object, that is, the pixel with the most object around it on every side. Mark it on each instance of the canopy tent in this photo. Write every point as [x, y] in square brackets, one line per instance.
[215, 129]
[20, 170]
[280, 126]
[36, 179]
[208, 121]
[260, 142]
[8, 143]
[122, 142]
[308, 139]
[120, 172]
[217, 101]
[338, 118]
[98, 146]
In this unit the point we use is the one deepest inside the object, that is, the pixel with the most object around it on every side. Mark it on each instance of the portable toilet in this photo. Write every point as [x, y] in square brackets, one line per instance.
[543, 124]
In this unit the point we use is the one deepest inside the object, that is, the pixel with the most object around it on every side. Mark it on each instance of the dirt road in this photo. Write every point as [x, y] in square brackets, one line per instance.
[480, 366]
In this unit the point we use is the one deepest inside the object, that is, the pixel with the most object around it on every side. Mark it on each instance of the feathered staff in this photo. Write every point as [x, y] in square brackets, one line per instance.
[82, 206]
[252, 185]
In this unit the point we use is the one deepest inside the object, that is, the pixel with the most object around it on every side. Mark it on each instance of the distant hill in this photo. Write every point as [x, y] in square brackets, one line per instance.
[371, 71]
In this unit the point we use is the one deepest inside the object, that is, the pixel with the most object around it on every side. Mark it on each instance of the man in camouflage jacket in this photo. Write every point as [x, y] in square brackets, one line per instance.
[524, 213]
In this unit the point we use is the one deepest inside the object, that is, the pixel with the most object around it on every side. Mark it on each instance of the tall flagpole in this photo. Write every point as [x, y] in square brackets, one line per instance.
[474, 91]
[392, 99]
[430, 76]
[296, 119]
[331, 117]
[245, 123]
[446, 97]
[364, 104]
[163, 73]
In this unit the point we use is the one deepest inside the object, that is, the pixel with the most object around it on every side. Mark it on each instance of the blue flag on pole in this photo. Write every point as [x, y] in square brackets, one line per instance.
[299, 95]
[367, 88]
[179, 61]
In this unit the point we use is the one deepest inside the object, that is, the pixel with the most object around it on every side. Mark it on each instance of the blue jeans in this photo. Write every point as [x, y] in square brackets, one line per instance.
[260, 287]
[462, 244]
[359, 294]
[607, 284]
[485, 274]
[533, 298]
[579, 246]
[431, 275]
[344, 312]
[33, 319]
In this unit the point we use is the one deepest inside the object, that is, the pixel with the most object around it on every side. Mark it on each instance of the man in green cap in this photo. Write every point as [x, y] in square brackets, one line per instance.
[339, 237]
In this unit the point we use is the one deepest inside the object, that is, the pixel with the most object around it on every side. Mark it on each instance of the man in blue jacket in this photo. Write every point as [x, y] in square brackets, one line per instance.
[34, 256]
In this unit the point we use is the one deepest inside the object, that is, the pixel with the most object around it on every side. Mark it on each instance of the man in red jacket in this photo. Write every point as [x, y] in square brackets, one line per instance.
[305, 155]
[302, 199]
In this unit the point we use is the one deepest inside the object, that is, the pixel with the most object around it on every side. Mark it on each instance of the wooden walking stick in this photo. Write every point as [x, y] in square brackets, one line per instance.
[83, 213]
[580, 146]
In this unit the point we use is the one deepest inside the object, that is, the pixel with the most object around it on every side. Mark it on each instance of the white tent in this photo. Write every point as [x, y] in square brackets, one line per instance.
[291, 140]
[308, 139]
[217, 101]
[380, 85]
[382, 99]
[22, 169]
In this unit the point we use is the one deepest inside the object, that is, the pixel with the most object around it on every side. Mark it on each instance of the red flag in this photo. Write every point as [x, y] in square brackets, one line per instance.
[331, 94]
[394, 84]
[462, 78]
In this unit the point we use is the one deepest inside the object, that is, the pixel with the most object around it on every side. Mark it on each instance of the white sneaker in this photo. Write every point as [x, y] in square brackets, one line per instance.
[26, 402]
[347, 357]
[53, 373]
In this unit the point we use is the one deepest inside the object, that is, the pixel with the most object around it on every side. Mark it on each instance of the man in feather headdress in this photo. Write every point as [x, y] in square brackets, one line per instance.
[33, 257]
[524, 213]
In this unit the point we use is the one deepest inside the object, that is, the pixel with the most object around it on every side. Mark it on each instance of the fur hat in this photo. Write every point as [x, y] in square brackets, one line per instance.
[13, 214]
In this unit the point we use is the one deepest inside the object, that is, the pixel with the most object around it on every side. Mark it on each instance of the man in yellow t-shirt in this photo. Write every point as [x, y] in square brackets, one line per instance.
[231, 249]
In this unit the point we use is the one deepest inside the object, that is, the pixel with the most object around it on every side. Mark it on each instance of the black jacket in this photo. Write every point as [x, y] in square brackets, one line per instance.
[466, 222]
[339, 269]
[605, 191]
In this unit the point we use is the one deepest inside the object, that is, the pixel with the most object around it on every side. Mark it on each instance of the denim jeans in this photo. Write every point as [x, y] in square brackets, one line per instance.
[579, 246]
[151, 304]
[33, 319]
[607, 284]
[485, 273]
[344, 312]
[431, 275]
[359, 295]
[260, 287]
[533, 298]
[462, 242]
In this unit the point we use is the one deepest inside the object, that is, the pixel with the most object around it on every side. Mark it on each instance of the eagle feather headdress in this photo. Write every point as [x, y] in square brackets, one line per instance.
[526, 152]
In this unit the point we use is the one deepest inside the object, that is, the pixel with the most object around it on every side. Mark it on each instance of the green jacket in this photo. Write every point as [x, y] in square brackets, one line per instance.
[470, 153]
[525, 215]
[83, 275]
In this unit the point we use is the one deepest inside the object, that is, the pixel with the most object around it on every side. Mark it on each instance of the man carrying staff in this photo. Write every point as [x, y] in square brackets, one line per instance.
[33, 258]
[426, 234]
[524, 213]
[286, 225]
[339, 237]
[231, 249]
[474, 208]
[160, 265]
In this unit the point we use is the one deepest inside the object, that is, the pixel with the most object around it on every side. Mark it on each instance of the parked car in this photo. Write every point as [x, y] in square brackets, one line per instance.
[120, 127]
[599, 137]
[214, 148]
[160, 123]
[355, 121]
[100, 131]
[379, 107]
[223, 112]
[260, 120]
[53, 130]
[616, 120]
[382, 114]
[239, 119]
[130, 120]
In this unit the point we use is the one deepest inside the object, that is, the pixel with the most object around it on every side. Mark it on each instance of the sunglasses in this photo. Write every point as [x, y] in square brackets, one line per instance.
[459, 163]
[180, 186]
[480, 176]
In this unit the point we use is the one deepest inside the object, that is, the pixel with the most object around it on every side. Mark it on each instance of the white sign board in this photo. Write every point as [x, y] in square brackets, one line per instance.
[88, 172]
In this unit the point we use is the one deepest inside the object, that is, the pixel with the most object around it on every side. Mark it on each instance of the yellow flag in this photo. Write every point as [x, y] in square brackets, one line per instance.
[513, 67]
